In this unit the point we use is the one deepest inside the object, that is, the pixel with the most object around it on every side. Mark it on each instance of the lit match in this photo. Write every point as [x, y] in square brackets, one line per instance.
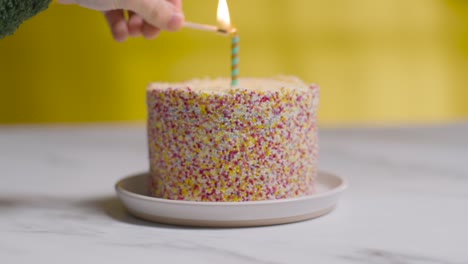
[204, 27]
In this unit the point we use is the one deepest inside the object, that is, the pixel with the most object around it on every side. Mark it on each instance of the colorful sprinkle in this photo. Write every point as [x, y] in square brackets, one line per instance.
[236, 144]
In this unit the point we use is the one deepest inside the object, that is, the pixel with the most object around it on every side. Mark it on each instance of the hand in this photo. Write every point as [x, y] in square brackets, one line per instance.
[146, 17]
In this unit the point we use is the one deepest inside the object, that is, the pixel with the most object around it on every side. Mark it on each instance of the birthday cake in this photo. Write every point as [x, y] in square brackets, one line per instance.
[209, 141]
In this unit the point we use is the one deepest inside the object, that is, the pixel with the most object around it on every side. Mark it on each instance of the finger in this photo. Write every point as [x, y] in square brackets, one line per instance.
[149, 31]
[177, 4]
[117, 24]
[135, 24]
[159, 13]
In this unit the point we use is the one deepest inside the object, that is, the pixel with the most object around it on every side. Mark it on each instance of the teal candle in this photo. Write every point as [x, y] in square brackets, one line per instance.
[234, 58]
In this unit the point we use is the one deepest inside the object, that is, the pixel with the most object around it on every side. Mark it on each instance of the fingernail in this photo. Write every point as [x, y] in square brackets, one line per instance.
[175, 22]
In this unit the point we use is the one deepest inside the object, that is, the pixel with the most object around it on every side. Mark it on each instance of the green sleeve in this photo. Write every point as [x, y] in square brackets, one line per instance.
[14, 12]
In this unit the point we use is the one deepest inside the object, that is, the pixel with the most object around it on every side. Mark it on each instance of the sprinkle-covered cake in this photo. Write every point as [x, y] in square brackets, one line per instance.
[211, 142]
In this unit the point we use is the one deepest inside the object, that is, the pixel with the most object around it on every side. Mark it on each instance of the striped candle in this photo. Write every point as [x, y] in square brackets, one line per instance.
[235, 58]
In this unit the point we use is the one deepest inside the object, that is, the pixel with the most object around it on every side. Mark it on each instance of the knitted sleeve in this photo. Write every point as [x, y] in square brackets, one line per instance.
[14, 12]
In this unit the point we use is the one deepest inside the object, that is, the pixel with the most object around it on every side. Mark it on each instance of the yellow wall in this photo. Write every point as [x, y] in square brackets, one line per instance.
[376, 61]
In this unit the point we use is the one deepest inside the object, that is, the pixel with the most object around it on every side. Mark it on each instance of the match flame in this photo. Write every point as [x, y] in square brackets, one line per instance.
[224, 19]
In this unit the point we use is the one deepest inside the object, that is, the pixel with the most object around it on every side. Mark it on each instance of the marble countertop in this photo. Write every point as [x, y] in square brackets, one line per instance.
[407, 201]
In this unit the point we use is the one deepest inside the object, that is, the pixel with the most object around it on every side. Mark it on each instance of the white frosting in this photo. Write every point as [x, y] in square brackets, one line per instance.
[223, 85]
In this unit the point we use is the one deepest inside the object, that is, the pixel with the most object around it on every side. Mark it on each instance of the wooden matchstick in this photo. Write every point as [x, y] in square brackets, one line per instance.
[204, 27]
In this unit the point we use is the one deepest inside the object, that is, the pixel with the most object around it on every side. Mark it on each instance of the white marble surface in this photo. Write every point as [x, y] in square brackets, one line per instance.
[407, 202]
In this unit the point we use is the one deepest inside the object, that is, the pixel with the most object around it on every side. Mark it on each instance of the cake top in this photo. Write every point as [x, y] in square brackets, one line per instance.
[223, 85]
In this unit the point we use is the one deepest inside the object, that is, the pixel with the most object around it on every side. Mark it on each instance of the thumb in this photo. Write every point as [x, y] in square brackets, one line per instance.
[159, 13]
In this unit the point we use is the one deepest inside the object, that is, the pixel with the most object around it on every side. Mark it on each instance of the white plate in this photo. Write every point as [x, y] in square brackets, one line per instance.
[133, 193]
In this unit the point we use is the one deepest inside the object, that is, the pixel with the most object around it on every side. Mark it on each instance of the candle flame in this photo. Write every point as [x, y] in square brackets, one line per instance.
[224, 19]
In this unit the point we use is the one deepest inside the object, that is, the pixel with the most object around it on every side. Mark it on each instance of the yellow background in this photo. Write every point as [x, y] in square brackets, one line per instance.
[387, 61]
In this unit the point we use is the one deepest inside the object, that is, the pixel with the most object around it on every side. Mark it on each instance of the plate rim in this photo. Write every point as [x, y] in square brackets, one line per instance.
[121, 190]
[194, 222]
